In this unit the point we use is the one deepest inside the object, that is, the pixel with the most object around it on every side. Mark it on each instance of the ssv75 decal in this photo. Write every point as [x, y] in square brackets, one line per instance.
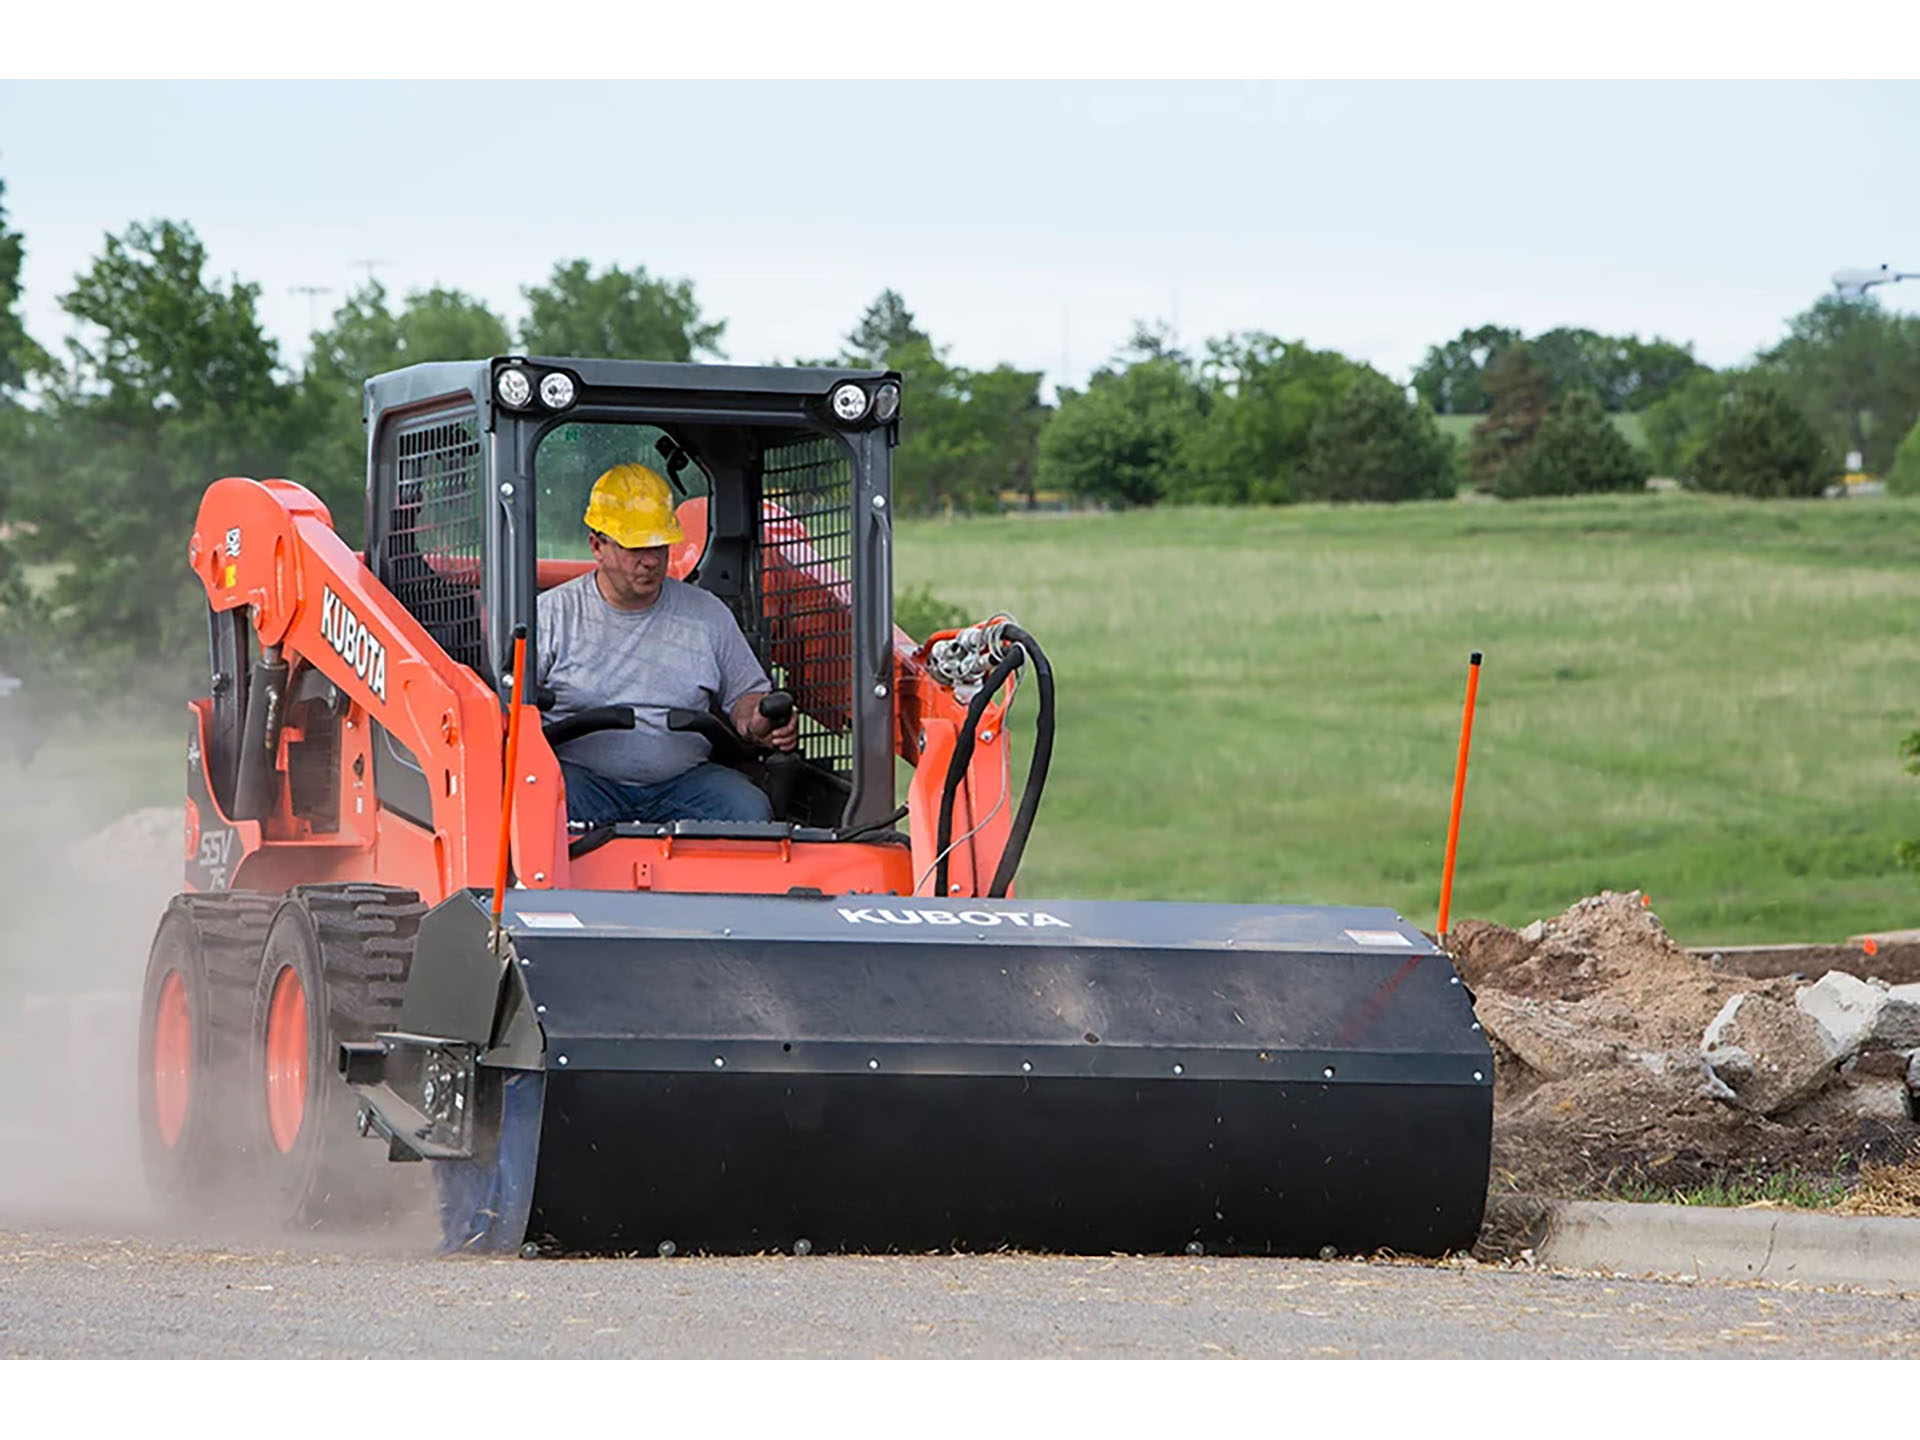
[353, 642]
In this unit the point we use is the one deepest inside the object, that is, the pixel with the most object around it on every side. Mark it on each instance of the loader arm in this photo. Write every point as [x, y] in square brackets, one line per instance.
[269, 546]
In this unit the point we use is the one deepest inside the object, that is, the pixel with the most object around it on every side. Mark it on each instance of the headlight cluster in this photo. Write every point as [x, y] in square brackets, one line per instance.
[853, 403]
[515, 388]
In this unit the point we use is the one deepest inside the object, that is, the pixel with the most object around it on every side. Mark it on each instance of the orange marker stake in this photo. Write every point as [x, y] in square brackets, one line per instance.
[1459, 792]
[508, 787]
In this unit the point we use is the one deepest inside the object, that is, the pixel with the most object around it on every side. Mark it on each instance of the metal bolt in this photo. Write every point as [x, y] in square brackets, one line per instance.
[539, 1009]
[1478, 1076]
[1328, 1072]
[666, 1249]
[563, 1059]
[539, 875]
[879, 502]
[1026, 1066]
[430, 1092]
[879, 692]
[873, 1064]
[719, 1062]
[506, 489]
[1454, 980]
[803, 1247]
[1327, 1252]
[1194, 1247]
[986, 737]
[1179, 1069]
[531, 779]
[530, 1251]
[363, 1122]
[727, 931]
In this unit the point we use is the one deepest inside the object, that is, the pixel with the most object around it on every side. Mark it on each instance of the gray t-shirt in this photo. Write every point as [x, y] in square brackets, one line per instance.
[684, 649]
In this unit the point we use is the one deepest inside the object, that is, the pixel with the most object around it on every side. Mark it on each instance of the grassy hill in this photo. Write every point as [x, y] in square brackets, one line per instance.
[1700, 697]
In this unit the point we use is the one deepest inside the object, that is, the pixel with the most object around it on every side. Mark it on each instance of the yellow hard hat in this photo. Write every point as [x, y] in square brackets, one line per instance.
[632, 506]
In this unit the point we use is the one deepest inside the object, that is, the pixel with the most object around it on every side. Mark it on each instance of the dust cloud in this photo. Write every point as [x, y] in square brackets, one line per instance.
[80, 906]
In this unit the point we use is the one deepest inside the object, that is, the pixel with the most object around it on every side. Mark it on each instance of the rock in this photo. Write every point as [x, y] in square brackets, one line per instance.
[1846, 1007]
[1898, 1025]
[1534, 933]
[1770, 1057]
[1913, 1073]
[1864, 1097]
[1884, 1063]
[1542, 1035]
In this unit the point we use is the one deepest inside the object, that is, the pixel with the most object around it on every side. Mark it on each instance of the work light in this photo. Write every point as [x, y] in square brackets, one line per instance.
[556, 390]
[513, 388]
[849, 402]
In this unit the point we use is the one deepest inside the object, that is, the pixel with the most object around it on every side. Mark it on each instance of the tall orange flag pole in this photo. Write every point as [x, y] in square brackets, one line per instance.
[508, 787]
[1459, 792]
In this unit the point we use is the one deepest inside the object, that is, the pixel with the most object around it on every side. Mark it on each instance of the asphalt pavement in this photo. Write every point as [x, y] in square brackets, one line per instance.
[64, 1293]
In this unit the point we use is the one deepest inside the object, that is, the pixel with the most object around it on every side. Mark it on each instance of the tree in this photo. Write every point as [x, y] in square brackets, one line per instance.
[617, 314]
[1518, 397]
[1678, 423]
[172, 384]
[1904, 477]
[365, 339]
[1854, 371]
[1263, 398]
[1452, 377]
[1373, 444]
[1123, 439]
[886, 326]
[20, 358]
[1577, 451]
[1760, 444]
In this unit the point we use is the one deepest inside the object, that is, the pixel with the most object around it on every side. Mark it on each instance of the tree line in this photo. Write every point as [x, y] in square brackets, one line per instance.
[171, 380]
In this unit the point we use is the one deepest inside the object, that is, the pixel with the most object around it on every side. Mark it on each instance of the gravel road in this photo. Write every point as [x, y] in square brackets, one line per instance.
[69, 1294]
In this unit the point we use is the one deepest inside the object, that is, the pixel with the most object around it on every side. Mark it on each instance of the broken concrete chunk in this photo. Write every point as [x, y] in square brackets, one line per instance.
[1898, 1026]
[1846, 1007]
[1864, 1097]
[1770, 1056]
[1534, 933]
[1541, 1035]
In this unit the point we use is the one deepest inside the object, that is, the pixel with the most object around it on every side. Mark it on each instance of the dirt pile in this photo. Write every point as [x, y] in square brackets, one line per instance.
[1597, 1018]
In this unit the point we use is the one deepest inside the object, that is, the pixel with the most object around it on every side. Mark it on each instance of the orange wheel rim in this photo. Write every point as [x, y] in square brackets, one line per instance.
[286, 1058]
[172, 1059]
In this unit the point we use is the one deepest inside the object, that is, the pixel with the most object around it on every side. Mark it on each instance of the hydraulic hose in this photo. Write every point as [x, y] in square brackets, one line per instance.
[962, 758]
[1036, 769]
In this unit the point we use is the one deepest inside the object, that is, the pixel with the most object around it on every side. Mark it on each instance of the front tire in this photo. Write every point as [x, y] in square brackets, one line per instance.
[334, 968]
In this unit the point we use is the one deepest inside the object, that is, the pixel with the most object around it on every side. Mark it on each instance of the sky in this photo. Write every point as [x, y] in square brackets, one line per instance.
[1026, 222]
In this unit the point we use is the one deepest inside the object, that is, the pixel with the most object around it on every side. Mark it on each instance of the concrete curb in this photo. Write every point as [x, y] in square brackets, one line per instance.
[1712, 1243]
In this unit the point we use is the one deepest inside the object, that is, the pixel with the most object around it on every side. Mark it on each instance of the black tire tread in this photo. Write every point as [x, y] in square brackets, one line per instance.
[367, 934]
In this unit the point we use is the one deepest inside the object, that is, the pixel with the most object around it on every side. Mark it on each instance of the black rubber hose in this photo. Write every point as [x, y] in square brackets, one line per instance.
[1036, 770]
[962, 758]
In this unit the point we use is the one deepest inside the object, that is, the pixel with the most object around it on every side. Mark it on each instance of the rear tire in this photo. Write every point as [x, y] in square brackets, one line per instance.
[334, 968]
[195, 1009]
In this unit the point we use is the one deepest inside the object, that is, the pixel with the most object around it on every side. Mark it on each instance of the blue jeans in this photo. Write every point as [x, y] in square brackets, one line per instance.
[706, 792]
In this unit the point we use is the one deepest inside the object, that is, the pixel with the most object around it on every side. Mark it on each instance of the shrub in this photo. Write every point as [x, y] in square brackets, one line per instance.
[1374, 444]
[919, 612]
[1904, 477]
[1760, 443]
[1577, 451]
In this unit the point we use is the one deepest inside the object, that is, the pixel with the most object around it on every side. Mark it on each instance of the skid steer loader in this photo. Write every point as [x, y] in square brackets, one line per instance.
[822, 1031]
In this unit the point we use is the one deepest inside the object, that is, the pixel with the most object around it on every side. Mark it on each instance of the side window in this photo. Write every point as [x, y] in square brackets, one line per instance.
[572, 456]
[434, 525]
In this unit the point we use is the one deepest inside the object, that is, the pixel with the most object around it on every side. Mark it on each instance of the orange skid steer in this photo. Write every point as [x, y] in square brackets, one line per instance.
[836, 1029]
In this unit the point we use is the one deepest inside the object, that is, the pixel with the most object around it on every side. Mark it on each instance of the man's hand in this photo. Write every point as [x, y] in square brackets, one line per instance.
[748, 720]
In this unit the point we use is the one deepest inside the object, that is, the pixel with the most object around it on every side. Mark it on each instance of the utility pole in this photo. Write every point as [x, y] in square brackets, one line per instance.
[370, 266]
[313, 293]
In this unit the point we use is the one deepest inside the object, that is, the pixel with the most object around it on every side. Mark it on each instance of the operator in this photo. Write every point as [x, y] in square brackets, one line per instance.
[627, 633]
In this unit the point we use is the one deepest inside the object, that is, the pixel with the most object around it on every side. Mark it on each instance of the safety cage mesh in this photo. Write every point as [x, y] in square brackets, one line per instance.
[800, 610]
[434, 530]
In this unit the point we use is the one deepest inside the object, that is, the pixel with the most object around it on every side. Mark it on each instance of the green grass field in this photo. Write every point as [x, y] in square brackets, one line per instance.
[1699, 697]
